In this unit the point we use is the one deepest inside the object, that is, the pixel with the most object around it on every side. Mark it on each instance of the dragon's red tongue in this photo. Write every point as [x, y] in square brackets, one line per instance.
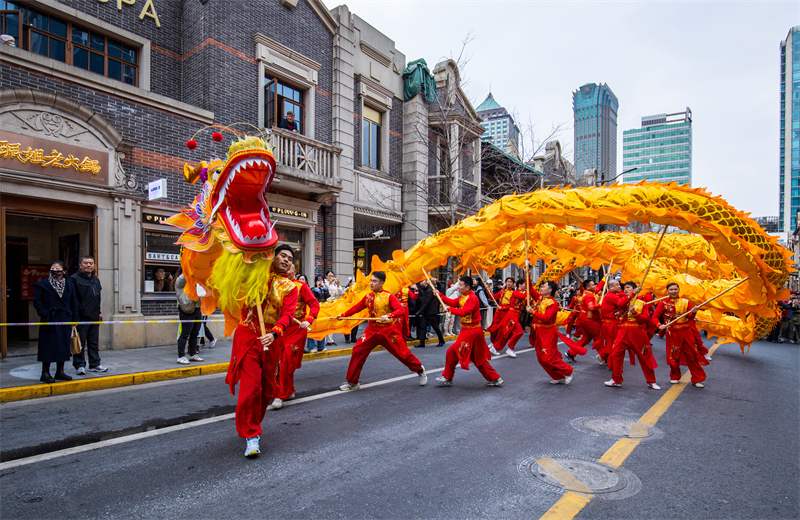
[252, 226]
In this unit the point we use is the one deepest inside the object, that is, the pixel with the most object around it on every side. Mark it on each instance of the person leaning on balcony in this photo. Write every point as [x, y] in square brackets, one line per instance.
[288, 123]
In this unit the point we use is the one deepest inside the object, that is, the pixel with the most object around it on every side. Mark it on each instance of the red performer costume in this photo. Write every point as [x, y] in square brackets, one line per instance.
[387, 333]
[589, 323]
[610, 311]
[402, 296]
[574, 305]
[633, 337]
[544, 335]
[255, 369]
[505, 328]
[294, 341]
[681, 349]
[470, 345]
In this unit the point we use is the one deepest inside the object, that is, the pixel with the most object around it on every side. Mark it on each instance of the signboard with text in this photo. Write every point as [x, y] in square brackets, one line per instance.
[30, 274]
[56, 158]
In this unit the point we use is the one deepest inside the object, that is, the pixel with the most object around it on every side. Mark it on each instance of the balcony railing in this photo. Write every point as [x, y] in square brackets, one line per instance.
[298, 152]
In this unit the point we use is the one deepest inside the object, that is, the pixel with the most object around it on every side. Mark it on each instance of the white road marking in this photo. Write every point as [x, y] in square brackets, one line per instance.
[202, 422]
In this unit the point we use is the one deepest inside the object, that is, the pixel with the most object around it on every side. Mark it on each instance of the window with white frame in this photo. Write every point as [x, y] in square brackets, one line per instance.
[371, 139]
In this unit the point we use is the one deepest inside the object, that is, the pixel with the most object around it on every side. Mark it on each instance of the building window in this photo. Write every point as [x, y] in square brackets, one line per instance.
[371, 138]
[46, 35]
[280, 99]
[162, 258]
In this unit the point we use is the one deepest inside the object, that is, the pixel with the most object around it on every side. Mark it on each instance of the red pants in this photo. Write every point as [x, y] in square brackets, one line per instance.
[390, 340]
[634, 341]
[256, 371]
[547, 352]
[509, 332]
[609, 334]
[698, 342]
[681, 350]
[495, 329]
[592, 330]
[451, 360]
[294, 342]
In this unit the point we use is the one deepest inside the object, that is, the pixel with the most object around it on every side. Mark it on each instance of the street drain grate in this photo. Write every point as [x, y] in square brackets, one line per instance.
[606, 482]
[618, 427]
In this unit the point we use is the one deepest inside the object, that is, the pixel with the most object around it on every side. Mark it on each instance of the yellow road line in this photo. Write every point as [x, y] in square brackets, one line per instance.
[571, 504]
[566, 478]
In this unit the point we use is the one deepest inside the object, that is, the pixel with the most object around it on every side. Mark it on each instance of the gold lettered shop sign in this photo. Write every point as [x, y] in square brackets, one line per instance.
[56, 158]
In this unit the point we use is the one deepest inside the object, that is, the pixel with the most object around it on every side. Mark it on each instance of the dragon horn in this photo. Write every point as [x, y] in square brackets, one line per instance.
[192, 174]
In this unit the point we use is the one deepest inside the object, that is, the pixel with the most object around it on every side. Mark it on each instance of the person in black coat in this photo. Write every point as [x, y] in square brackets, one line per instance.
[428, 314]
[54, 300]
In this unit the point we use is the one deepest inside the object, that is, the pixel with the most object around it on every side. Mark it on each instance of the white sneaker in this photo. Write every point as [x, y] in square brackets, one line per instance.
[423, 377]
[708, 358]
[443, 381]
[699, 385]
[313, 351]
[493, 350]
[556, 381]
[277, 404]
[252, 449]
[567, 380]
[600, 360]
[81, 371]
[654, 386]
[98, 368]
[611, 382]
[496, 382]
[291, 396]
[674, 381]
[344, 387]
[511, 353]
[196, 357]
[183, 361]
[213, 342]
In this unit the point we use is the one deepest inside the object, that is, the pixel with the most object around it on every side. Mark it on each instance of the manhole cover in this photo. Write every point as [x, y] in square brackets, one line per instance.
[607, 482]
[618, 427]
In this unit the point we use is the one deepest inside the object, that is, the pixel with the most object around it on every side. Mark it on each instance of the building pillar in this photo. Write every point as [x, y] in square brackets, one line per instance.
[127, 280]
[343, 132]
[415, 171]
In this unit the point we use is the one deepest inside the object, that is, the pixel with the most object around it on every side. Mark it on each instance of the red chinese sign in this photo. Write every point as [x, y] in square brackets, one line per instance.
[30, 275]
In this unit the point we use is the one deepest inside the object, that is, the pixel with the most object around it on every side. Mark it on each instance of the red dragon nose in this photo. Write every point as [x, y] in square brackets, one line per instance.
[254, 227]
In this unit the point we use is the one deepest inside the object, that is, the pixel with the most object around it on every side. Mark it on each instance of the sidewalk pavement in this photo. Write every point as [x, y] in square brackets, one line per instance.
[19, 376]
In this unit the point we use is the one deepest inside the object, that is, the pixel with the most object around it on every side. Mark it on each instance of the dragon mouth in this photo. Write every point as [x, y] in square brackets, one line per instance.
[241, 202]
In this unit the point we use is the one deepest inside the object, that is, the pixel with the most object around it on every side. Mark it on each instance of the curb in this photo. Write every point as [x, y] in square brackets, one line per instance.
[23, 393]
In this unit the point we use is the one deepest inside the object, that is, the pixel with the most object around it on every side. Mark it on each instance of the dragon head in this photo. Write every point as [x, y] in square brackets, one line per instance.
[232, 206]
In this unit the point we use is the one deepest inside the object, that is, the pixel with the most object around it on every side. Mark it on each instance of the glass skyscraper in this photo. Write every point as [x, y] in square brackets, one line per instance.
[661, 149]
[500, 126]
[789, 188]
[595, 109]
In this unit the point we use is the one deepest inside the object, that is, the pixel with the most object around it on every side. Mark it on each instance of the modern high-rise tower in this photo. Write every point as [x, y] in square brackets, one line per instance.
[661, 150]
[789, 191]
[595, 109]
[500, 126]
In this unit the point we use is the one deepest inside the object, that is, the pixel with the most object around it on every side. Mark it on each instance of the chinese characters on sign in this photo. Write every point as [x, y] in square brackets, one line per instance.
[31, 274]
[55, 159]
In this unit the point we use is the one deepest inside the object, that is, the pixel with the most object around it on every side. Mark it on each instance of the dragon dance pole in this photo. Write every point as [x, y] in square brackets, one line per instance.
[708, 301]
[647, 271]
[527, 270]
[434, 289]
[261, 322]
[605, 285]
[484, 283]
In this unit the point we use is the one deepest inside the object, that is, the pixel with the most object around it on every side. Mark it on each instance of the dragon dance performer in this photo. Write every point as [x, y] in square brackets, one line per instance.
[505, 328]
[681, 349]
[383, 331]
[402, 296]
[575, 306]
[256, 369]
[470, 345]
[589, 322]
[610, 307]
[544, 334]
[633, 337]
[294, 339]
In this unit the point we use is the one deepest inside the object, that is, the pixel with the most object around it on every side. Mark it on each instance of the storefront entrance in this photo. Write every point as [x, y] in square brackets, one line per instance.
[32, 241]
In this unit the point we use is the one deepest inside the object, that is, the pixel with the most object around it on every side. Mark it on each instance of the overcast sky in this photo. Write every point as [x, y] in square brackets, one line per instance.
[721, 59]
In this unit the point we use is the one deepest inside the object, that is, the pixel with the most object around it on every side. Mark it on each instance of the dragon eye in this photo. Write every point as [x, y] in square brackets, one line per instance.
[215, 174]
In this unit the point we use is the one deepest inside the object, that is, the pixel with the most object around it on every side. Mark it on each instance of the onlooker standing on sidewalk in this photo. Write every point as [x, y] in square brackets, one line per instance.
[428, 314]
[322, 294]
[188, 309]
[87, 290]
[336, 290]
[54, 300]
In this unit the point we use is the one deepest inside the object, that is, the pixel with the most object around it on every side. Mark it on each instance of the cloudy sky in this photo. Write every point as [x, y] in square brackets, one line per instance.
[721, 59]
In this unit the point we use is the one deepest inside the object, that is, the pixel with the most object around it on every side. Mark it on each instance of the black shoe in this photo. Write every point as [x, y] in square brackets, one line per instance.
[570, 357]
[61, 376]
[47, 378]
[441, 344]
[421, 344]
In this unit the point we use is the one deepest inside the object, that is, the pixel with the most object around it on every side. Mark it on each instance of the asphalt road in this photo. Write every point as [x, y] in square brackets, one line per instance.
[398, 450]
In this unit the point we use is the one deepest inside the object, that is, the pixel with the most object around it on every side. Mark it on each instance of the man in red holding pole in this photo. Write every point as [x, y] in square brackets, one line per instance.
[610, 307]
[589, 322]
[680, 337]
[255, 358]
[544, 334]
[505, 328]
[633, 337]
[470, 344]
[383, 330]
[294, 339]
